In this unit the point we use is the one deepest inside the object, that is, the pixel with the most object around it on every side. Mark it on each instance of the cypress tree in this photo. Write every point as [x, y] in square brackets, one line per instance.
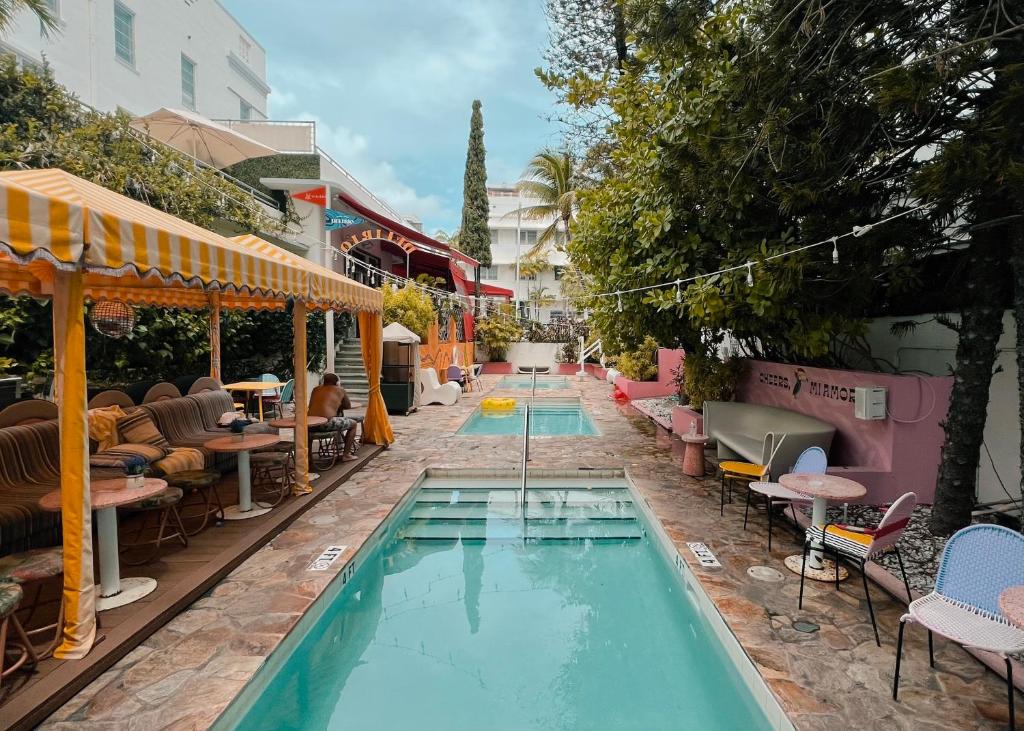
[474, 236]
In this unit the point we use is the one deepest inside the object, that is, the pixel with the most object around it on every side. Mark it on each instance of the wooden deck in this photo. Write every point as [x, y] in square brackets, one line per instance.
[184, 575]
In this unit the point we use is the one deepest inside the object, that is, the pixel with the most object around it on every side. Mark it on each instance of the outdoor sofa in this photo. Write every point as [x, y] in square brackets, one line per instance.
[752, 433]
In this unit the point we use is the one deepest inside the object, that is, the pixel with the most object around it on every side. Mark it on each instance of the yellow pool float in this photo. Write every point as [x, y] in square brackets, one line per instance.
[498, 404]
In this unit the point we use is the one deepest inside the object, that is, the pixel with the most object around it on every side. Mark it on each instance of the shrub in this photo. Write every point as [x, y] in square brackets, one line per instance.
[709, 379]
[410, 307]
[640, 364]
[495, 333]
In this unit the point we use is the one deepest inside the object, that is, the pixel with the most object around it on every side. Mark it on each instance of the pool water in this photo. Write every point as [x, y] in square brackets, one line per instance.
[543, 382]
[453, 621]
[548, 418]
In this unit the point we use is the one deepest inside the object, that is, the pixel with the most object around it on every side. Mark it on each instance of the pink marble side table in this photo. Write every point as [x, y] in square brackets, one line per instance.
[1011, 604]
[821, 488]
[693, 456]
[105, 496]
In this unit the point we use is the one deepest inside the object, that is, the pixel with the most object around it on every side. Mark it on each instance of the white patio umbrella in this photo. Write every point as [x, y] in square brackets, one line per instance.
[202, 138]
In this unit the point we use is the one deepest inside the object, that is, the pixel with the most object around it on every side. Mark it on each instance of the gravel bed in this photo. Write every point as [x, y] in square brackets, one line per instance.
[658, 409]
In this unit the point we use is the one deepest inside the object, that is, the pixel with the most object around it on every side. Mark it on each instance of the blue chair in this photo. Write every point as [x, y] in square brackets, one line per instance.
[978, 564]
[288, 395]
[270, 396]
[812, 460]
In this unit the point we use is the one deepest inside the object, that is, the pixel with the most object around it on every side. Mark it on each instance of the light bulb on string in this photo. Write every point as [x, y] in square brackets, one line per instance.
[679, 292]
[618, 296]
[835, 249]
[750, 274]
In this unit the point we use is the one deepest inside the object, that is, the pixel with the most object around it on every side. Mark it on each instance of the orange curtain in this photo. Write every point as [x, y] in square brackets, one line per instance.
[300, 392]
[215, 335]
[79, 630]
[376, 427]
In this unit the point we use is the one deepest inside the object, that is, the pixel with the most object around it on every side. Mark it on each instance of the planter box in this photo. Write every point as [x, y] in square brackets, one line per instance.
[497, 369]
[568, 369]
[683, 416]
[595, 370]
[644, 389]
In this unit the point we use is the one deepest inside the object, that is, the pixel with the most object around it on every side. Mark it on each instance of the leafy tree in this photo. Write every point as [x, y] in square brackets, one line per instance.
[48, 21]
[549, 179]
[409, 306]
[496, 332]
[42, 125]
[474, 234]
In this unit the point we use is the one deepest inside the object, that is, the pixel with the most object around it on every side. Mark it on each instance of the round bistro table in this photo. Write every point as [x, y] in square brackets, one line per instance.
[693, 456]
[821, 488]
[1011, 604]
[106, 496]
[232, 444]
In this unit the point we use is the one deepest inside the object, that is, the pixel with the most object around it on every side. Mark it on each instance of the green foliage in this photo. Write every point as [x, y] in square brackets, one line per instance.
[411, 307]
[551, 179]
[496, 333]
[709, 379]
[42, 125]
[640, 364]
[284, 165]
[49, 21]
[474, 235]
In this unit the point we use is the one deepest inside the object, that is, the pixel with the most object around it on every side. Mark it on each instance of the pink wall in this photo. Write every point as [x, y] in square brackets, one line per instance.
[496, 368]
[891, 456]
[668, 360]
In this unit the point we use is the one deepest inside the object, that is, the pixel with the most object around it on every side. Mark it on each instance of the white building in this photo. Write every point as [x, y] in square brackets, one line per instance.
[512, 238]
[140, 55]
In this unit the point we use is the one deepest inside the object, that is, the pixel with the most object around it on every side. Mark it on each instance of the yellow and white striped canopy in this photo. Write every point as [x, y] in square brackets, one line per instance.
[328, 289]
[128, 250]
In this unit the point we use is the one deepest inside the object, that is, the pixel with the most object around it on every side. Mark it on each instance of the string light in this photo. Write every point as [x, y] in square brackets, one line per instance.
[679, 292]
[750, 274]
[619, 295]
[859, 231]
[835, 250]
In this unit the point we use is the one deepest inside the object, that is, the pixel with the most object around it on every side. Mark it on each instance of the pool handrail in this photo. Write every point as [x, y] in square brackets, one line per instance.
[526, 458]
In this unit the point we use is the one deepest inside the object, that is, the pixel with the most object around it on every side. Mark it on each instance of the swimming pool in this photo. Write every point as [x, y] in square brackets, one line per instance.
[549, 417]
[453, 621]
[543, 382]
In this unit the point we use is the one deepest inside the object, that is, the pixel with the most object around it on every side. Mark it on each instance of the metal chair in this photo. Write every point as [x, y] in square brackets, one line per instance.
[811, 461]
[977, 565]
[271, 396]
[862, 545]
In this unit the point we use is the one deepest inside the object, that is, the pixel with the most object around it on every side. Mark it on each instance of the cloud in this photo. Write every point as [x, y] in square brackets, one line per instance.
[390, 86]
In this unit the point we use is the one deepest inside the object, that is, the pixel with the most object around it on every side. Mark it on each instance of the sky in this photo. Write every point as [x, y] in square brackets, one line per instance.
[390, 84]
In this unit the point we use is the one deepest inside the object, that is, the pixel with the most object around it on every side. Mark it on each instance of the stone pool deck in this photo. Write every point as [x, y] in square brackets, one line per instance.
[185, 674]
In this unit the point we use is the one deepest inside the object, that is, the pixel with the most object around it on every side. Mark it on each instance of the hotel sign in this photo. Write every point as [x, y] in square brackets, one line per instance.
[799, 382]
[378, 235]
[316, 196]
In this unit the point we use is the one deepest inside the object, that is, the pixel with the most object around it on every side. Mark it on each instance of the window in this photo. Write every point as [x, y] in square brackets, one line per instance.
[559, 272]
[245, 110]
[494, 235]
[54, 7]
[124, 34]
[490, 272]
[244, 48]
[188, 82]
[528, 238]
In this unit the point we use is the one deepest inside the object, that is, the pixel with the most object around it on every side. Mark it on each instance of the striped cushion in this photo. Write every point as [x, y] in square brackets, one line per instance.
[138, 428]
[848, 542]
[29, 468]
[120, 455]
[181, 459]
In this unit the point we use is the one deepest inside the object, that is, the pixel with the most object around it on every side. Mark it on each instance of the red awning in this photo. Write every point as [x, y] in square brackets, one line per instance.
[467, 286]
[403, 235]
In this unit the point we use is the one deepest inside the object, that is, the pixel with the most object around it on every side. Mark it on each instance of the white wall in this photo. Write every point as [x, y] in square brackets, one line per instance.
[82, 56]
[931, 349]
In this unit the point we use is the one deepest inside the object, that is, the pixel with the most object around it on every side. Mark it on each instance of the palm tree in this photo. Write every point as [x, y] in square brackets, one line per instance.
[539, 297]
[452, 239]
[10, 8]
[550, 179]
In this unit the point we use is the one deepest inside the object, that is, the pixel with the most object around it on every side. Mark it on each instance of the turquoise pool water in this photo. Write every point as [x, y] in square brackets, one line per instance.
[454, 622]
[543, 382]
[548, 418]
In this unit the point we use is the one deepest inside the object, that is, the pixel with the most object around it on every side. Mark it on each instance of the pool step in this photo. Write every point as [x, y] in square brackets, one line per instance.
[512, 529]
[535, 510]
[484, 495]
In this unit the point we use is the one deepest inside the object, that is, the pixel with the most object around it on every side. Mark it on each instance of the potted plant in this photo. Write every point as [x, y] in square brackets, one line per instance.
[496, 333]
[134, 472]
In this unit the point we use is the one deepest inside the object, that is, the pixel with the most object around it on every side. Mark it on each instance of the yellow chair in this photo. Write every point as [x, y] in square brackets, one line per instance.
[746, 472]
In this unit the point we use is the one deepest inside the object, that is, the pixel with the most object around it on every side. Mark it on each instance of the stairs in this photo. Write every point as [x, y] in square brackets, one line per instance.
[348, 365]
[569, 514]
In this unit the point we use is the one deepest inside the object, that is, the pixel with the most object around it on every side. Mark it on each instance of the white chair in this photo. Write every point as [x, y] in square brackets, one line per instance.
[812, 460]
[432, 391]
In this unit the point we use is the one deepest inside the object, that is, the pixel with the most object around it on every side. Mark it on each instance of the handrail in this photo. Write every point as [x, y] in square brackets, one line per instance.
[533, 385]
[526, 458]
[587, 352]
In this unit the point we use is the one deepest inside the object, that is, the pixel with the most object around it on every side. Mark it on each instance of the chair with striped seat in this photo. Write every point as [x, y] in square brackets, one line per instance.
[862, 545]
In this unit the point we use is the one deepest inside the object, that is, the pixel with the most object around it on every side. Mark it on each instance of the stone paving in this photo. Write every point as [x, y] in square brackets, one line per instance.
[185, 674]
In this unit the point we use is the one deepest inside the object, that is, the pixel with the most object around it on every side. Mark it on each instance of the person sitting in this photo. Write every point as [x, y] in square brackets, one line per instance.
[329, 400]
